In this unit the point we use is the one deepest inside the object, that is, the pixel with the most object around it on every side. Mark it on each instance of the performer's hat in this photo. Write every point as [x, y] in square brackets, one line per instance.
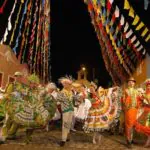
[67, 79]
[93, 84]
[51, 85]
[33, 78]
[76, 85]
[147, 82]
[131, 79]
[18, 73]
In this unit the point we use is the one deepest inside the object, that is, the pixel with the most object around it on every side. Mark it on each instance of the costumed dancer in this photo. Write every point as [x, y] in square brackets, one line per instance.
[92, 123]
[50, 102]
[131, 104]
[13, 94]
[65, 97]
[83, 106]
[143, 122]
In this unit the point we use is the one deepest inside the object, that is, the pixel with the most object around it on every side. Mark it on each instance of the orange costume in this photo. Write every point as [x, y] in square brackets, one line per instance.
[131, 105]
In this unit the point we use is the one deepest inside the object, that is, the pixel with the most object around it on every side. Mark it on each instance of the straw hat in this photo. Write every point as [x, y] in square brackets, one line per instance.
[18, 73]
[76, 85]
[131, 79]
[51, 85]
[93, 84]
[67, 79]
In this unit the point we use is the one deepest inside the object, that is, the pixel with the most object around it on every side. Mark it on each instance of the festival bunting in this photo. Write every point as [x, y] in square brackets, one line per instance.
[124, 50]
[30, 38]
[3, 6]
[136, 21]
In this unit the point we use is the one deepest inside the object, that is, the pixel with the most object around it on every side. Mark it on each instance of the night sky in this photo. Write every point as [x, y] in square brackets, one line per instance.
[74, 41]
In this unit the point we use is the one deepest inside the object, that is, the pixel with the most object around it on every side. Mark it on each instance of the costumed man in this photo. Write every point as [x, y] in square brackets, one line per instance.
[143, 122]
[65, 97]
[131, 104]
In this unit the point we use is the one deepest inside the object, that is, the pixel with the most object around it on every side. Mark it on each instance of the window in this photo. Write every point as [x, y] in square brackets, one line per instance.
[11, 79]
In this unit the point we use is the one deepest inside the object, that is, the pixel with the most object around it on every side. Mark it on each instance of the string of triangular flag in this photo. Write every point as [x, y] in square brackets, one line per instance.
[110, 53]
[137, 22]
[9, 25]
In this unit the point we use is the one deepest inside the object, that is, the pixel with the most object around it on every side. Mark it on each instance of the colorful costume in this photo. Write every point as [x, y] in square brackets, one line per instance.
[131, 105]
[143, 122]
[27, 111]
[65, 97]
[104, 112]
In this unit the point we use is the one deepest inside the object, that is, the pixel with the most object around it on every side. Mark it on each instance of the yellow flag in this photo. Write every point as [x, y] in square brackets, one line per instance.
[131, 12]
[107, 29]
[136, 20]
[145, 31]
[126, 4]
[94, 2]
[148, 37]
[139, 26]
[103, 18]
[111, 37]
[98, 10]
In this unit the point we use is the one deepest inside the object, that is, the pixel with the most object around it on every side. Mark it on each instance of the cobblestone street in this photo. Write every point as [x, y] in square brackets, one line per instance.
[43, 140]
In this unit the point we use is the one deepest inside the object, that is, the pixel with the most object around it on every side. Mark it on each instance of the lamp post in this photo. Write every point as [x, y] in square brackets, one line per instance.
[83, 68]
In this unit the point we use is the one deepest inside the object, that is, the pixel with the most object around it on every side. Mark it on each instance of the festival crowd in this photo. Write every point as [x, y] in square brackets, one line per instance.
[33, 106]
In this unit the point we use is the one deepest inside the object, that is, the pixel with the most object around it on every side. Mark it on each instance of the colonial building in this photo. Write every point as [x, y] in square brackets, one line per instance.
[143, 71]
[82, 76]
[9, 64]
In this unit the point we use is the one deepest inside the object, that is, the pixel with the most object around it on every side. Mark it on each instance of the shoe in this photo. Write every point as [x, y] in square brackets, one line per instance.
[68, 140]
[134, 142]
[62, 143]
[12, 137]
[74, 130]
[2, 142]
[146, 145]
[129, 145]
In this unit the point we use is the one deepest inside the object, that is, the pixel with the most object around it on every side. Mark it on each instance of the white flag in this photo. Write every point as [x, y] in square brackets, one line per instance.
[137, 44]
[126, 27]
[111, 1]
[122, 20]
[129, 33]
[138, 49]
[144, 52]
[117, 12]
[133, 39]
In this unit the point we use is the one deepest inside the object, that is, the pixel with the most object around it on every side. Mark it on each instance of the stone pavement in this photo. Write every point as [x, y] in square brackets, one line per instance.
[43, 140]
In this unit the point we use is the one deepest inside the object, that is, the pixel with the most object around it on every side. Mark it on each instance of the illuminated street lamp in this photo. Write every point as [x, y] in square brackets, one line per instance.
[83, 68]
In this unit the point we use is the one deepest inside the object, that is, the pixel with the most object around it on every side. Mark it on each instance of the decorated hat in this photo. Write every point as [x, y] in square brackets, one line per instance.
[131, 79]
[18, 73]
[76, 85]
[33, 78]
[51, 85]
[93, 84]
[147, 82]
[66, 79]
